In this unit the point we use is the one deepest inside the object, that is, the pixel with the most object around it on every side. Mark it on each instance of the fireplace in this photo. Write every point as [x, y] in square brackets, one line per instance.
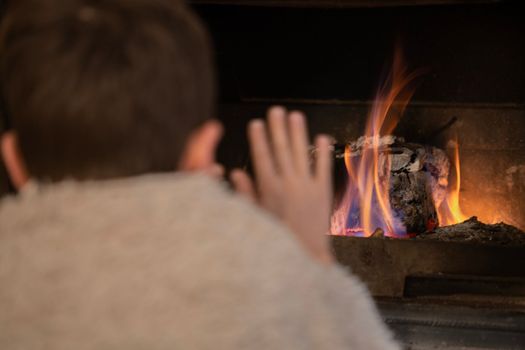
[465, 289]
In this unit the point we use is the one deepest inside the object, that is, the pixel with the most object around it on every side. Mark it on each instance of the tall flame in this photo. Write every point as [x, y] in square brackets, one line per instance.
[449, 212]
[369, 173]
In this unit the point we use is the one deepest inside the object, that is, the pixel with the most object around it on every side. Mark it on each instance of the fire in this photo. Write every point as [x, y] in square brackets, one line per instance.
[366, 208]
[369, 173]
[449, 212]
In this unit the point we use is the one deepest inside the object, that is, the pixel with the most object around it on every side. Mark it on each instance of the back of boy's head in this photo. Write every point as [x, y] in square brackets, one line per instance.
[99, 89]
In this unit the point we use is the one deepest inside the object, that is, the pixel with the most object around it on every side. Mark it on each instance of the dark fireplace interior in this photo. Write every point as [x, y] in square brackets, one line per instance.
[328, 58]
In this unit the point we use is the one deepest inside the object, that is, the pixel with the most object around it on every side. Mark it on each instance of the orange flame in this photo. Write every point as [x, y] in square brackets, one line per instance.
[369, 174]
[449, 212]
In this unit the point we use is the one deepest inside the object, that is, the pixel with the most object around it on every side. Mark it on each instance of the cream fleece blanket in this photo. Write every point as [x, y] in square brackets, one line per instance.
[167, 262]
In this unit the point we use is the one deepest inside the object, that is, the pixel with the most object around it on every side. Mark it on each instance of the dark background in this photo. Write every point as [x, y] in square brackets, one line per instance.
[473, 53]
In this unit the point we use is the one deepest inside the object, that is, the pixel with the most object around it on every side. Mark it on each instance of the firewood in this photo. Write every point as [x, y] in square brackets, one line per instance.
[417, 178]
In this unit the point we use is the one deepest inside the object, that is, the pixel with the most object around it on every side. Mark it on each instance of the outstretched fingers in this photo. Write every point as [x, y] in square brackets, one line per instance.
[286, 185]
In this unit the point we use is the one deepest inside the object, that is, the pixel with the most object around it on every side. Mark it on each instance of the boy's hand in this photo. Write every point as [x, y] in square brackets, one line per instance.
[286, 184]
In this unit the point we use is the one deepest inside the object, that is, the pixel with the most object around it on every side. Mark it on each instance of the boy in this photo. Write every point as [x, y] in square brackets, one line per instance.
[106, 246]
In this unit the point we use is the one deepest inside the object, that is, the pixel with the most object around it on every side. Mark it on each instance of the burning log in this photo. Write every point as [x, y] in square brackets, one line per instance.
[474, 231]
[418, 184]
[416, 177]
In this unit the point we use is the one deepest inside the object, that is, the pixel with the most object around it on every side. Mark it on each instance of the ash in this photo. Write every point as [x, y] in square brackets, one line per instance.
[475, 231]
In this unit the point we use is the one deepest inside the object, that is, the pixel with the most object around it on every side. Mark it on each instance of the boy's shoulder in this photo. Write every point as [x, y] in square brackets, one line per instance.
[179, 208]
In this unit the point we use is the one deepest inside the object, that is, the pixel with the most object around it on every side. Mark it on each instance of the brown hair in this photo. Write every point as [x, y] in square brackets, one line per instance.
[104, 88]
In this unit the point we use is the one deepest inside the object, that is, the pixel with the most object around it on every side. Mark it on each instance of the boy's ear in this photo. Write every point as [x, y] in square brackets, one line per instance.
[199, 153]
[14, 163]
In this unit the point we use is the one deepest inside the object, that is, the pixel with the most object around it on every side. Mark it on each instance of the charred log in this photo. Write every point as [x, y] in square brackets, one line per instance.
[475, 231]
[417, 177]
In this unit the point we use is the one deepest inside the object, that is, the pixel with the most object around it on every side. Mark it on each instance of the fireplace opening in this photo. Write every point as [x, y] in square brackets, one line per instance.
[329, 62]
[440, 246]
